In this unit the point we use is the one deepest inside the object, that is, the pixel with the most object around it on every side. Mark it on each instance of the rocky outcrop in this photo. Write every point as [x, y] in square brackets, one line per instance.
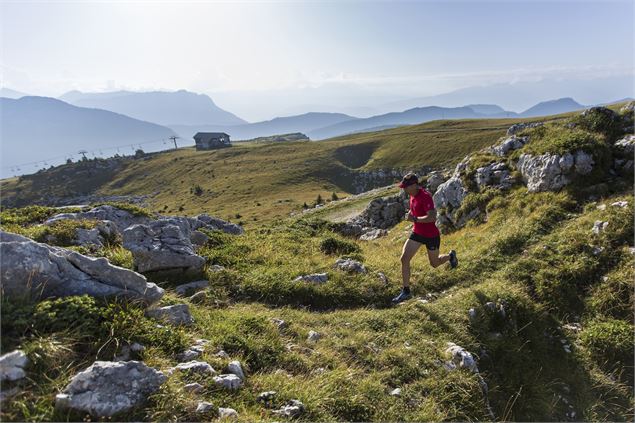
[518, 127]
[162, 245]
[42, 271]
[448, 199]
[626, 144]
[551, 172]
[122, 219]
[379, 215]
[366, 180]
[495, 175]
[435, 179]
[509, 144]
[107, 388]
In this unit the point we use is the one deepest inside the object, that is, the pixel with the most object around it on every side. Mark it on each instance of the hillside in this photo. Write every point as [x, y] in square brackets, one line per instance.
[535, 324]
[165, 108]
[280, 177]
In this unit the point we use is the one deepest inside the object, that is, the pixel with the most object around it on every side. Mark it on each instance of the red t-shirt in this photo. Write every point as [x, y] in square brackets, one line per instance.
[420, 204]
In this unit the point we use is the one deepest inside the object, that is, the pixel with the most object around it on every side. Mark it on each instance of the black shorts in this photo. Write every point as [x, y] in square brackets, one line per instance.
[431, 243]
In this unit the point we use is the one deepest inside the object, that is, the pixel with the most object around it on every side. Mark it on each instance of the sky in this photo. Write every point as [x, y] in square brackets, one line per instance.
[260, 58]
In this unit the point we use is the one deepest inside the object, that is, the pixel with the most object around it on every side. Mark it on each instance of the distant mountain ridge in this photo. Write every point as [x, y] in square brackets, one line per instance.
[162, 107]
[39, 128]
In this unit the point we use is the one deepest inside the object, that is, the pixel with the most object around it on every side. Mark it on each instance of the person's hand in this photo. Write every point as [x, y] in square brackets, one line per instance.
[410, 217]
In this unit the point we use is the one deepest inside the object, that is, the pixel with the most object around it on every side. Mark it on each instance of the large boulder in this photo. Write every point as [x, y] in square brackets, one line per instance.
[38, 271]
[551, 172]
[162, 245]
[107, 388]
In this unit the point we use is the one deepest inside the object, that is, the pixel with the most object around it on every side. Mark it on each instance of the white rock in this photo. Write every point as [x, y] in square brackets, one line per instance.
[227, 413]
[228, 381]
[106, 387]
[234, 367]
[396, 392]
[204, 407]
[193, 367]
[292, 409]
[316, 278]
[461, 357]
[194, 387]
[12, 365]
[599, 226]
[178, 314]
[622, 204]
[313, 336]
[349, 265]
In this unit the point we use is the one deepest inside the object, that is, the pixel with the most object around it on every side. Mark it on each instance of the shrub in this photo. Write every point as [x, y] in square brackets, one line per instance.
[197, 190]
[81, 314]
[600, 119]
[332, 245]
[28, 215]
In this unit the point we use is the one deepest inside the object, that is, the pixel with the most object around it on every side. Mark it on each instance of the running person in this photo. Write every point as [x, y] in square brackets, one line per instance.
[423, 214]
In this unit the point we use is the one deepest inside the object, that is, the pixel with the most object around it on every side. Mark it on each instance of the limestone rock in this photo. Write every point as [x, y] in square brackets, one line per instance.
[42, 271]
[349, 265]
[228, 381]
[200, 367]
[178, 314]
[12, 366]
[292, 409]
[509, 144]
[190, 288]
[435, 179]
[227, 413]
[162, 245]
[316, 278]
[551, 172]
[313, 336]
[106, 388]
[514, 129]
[234, 367]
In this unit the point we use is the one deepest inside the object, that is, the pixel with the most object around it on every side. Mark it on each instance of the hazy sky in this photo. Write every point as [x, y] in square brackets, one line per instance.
[354, 50]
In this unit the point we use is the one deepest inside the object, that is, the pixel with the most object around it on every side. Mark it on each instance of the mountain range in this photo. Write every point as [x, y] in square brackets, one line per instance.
[39, 128]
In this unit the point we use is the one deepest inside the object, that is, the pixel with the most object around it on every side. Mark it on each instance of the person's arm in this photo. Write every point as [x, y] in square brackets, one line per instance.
[431, 216]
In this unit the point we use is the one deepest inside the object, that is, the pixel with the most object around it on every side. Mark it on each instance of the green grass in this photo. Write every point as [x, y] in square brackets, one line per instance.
[263, 182]
[533, 252]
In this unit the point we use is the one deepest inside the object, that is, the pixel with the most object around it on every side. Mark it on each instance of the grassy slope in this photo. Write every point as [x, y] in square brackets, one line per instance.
[368, 349]
[535, 251]
[278, 176]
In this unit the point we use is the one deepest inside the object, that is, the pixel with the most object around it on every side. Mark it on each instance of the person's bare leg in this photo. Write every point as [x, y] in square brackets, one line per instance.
[437, 260]
[410, 248]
